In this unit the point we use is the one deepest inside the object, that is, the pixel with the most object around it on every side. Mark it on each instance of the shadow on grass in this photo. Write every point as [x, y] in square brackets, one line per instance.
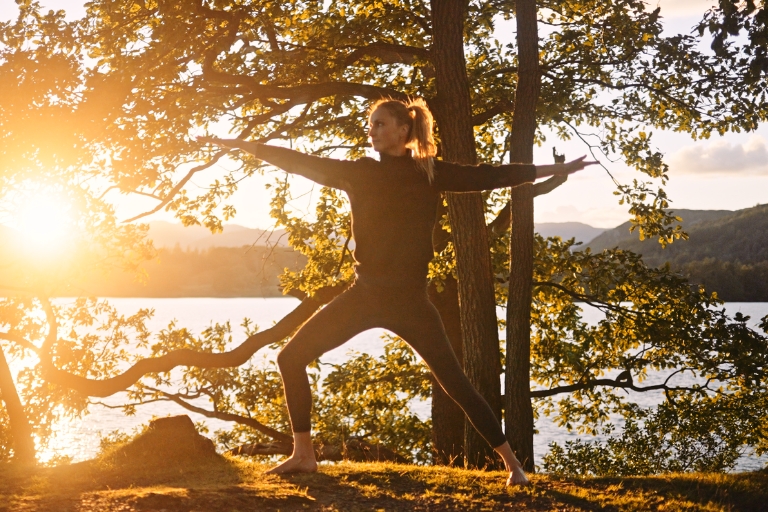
[742, 491]
[738, 492]
[221, 484]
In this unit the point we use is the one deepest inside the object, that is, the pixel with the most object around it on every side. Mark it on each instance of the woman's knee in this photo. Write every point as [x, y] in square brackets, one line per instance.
[289, 359]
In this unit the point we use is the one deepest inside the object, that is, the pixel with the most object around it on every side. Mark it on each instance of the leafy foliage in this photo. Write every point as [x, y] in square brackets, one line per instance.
[710, 367]
[301, 73]
[297, 72]
[701, 435]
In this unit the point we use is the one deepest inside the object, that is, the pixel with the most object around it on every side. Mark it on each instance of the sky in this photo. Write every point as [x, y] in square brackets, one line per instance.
[727, 173]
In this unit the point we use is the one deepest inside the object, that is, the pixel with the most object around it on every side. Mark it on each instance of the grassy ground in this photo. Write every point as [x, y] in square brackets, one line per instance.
[221, 484]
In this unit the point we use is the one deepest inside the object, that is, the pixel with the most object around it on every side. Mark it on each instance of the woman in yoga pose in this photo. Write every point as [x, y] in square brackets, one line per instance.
[394, 202]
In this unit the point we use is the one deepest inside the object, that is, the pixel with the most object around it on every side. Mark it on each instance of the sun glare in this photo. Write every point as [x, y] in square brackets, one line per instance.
[43, 218]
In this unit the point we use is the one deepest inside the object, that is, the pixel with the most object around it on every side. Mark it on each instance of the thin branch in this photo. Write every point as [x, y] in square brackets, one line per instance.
[501, 223]
[587, 299]
[146, 194]
[501, 71]
[343, 252]
[175, 190]
[226, 416]
[101, 196]
[591, 152]
[624, 384]
[53, 330]
[305, 93]
[19, 340]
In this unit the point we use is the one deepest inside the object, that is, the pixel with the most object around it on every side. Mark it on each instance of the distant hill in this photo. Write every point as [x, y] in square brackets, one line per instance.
[169, 235]
[211, 272]
[727, 251]
[735, 236]
[567, 230]
[191, 262]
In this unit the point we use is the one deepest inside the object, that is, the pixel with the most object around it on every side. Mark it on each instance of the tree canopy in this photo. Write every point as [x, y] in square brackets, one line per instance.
[134, 81]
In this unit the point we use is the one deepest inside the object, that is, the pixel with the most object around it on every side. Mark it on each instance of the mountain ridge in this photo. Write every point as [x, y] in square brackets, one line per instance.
[166, 234]
[736, 236]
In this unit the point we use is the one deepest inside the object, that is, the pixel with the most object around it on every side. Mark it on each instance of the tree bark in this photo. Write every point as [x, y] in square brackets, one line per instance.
[21, 432]
[518, 418]
[518, 411]
[475, 279]
[447, 416]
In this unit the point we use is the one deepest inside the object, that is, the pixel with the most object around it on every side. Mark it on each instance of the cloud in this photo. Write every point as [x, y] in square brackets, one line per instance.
[680, 8]
[721, 157]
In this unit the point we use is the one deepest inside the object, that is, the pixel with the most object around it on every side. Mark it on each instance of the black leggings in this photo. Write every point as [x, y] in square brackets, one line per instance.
[407, 312]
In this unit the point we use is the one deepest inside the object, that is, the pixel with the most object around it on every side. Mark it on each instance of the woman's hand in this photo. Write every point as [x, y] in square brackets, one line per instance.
[544, 171]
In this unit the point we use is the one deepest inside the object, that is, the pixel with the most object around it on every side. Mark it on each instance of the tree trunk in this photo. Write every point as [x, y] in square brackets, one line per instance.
[21, 432]
[476, 293]
[518, 411]
[447, 416]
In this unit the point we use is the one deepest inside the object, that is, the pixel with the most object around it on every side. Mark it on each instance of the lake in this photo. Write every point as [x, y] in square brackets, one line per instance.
[79, 438]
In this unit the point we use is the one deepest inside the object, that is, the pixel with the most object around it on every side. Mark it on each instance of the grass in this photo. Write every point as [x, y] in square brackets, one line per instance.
[231, 484]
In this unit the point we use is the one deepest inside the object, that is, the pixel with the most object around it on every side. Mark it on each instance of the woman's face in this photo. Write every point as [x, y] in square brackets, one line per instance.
[387, 136]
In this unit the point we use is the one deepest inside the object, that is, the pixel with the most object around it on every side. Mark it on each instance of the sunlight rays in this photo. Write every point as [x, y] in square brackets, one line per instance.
[43, 217]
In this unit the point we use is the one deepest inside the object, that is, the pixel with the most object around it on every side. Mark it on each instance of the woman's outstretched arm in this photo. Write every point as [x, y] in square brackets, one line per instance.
[452, 177]
[328, 172]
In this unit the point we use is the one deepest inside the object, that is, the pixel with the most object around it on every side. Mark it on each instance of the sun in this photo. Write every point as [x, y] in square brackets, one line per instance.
[43, 218]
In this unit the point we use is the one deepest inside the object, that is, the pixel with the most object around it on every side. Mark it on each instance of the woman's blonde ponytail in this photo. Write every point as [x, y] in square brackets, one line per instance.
[421, 142]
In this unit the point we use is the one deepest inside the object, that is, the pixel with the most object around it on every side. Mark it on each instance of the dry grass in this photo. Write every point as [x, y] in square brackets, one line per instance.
[222, 484]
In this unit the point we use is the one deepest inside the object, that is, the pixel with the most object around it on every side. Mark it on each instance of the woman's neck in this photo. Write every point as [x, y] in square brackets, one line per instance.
[396, 152]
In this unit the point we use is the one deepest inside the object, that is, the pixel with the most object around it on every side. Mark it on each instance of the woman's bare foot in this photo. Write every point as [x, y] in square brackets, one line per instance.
[516, 473]
[303, 458]
[517, 477]
[295, 464]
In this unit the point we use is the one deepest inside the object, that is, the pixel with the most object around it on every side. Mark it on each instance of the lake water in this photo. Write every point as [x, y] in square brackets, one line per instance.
[79, 438]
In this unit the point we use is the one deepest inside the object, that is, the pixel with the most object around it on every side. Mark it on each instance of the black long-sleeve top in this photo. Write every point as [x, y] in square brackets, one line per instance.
[393, 204]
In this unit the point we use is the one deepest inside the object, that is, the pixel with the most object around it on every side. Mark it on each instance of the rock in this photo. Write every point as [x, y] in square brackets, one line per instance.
[166, 441]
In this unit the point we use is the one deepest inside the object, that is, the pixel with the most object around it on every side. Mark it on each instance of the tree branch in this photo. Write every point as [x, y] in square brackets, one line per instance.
[624, 384]
[388, 53]
[501, 223]
[498, 108]
[18, 423]
[305, 93]
[548, 185]
[226, 416]
[587, 299]
[175, 190]
[19, 340]
[53, 330]
[186, 357]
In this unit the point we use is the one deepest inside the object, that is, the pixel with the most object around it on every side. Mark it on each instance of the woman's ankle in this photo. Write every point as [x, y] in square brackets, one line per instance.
[302, 446]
